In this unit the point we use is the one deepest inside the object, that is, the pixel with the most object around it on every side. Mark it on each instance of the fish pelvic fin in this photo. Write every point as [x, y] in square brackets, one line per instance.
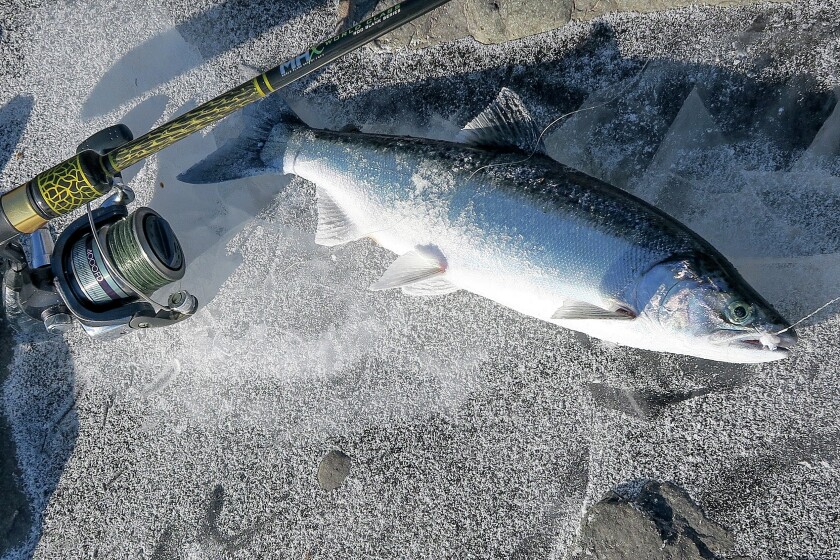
[420, 265]
[334, 226]
[267, 126]
[435, 286]
[505, 123]
[573, 310]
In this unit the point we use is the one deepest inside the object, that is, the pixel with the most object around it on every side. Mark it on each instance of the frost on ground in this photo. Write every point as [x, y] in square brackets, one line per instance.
[473, 432]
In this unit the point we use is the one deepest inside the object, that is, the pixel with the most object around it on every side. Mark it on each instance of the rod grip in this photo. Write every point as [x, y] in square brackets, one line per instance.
[52, 193]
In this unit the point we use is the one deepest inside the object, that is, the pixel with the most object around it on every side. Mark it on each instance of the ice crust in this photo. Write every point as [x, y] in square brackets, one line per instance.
[474, 432]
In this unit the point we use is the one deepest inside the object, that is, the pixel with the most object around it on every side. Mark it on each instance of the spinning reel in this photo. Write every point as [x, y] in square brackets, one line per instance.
[103, 268]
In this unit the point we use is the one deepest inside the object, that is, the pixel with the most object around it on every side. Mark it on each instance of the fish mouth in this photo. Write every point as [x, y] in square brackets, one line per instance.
[765, 342]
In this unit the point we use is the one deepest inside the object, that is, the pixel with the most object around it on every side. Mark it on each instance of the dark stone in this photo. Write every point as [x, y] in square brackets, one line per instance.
[334, 468]
[658, 521]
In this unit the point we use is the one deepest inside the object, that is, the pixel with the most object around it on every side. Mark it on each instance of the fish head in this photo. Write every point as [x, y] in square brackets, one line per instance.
[705, 305]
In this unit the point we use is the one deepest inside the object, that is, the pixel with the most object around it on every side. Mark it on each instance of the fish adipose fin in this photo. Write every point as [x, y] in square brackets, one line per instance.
[421, 264]
[505, 123]
[435, 286]
[266, 128]
[581, 310]
[334, 227]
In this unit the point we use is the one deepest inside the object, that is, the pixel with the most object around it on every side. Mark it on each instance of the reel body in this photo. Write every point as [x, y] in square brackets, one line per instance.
[93, 291]
[102, 270]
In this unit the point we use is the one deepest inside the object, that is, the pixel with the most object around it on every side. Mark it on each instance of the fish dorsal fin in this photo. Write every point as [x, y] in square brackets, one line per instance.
[421, 264]
[573, 310]
[435, 286]
[505, 123]
[334, 227]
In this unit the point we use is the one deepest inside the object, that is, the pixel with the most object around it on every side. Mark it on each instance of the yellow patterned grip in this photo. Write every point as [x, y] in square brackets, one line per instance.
[87, 175]
[67, 186]
[52, 193]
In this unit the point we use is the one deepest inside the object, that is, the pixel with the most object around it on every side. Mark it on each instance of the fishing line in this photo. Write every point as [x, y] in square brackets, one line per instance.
[560, 118]
[809, 315]
[114, 271]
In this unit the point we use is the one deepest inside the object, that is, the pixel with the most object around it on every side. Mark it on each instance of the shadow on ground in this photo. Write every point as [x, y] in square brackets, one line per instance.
[13, 118]
[229, 24]
[41, 411]
[15, 512]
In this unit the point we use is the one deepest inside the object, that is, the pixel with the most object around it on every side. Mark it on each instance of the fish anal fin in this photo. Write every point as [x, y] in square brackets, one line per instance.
[505, 123]
[421, 264]
[575, 310]
[334, 226]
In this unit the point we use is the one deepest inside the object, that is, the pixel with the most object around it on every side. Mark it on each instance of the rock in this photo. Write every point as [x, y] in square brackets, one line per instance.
[497, 21]
[488, 21]
[334, 468]
[658, 521]
[589, 9]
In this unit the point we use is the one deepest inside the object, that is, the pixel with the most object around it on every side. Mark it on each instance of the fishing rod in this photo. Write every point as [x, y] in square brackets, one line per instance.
[105, 266]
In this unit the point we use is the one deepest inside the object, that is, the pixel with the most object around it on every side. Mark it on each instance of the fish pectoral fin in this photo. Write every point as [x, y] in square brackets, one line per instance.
[505, 123]
[435, 286]
[572, 310]
[334, 227]
[419, 265]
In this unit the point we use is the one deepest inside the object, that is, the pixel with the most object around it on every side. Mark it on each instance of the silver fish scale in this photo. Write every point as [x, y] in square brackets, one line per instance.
[569, 231]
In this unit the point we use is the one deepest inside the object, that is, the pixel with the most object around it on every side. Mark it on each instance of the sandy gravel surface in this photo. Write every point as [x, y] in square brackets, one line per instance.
[473, 432]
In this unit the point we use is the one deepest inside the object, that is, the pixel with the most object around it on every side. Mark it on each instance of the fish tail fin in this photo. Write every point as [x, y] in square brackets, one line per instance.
[257, 150]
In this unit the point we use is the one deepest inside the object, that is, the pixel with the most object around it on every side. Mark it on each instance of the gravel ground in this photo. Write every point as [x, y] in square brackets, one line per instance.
[472, 432]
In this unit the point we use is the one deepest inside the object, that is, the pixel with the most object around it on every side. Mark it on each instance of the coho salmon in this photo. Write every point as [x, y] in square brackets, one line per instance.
[493, 215]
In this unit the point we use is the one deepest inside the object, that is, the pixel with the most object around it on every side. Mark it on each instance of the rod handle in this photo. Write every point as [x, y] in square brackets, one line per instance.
[52, 193]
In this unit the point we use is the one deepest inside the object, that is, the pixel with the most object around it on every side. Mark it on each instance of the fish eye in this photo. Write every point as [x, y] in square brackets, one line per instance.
[739, 312]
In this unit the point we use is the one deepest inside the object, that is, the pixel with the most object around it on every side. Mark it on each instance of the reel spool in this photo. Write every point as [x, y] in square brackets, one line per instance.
[143, 249]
